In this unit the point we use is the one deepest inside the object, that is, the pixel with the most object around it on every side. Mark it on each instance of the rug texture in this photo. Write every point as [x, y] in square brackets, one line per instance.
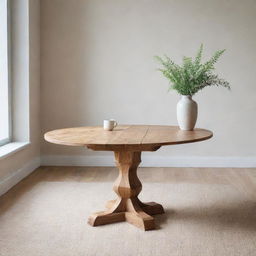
[201, 219]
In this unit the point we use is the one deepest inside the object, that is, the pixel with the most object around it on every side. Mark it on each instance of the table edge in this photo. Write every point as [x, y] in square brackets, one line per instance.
[89, 145]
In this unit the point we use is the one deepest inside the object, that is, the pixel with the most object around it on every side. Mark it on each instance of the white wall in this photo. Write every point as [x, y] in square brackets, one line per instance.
[97, 62]
[17, 165]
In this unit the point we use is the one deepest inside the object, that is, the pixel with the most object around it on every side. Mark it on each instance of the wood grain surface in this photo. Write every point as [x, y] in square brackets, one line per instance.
[129, 137]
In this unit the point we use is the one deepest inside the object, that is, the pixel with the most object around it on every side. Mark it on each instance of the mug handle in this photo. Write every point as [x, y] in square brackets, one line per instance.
[115, 124]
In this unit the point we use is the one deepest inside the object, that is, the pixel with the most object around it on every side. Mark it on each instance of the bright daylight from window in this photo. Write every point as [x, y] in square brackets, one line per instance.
[4, 95]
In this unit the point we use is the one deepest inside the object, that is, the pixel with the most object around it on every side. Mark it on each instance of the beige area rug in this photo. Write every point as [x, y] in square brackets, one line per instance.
[201, 219]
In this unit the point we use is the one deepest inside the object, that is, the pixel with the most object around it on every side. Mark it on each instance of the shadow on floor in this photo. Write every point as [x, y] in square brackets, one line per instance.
[234, 215]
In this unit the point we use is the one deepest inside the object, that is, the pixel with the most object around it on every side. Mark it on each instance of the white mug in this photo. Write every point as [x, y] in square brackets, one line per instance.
[109, 124]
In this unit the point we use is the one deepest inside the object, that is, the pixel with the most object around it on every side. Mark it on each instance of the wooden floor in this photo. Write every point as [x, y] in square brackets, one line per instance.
[243, 179]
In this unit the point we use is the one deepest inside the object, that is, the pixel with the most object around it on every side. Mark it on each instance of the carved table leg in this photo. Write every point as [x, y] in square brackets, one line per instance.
[127, 207]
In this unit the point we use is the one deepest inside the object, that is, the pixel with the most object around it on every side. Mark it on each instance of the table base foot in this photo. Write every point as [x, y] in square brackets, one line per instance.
[102, 218]
[131, 210]
[150, 208]
[140, 220]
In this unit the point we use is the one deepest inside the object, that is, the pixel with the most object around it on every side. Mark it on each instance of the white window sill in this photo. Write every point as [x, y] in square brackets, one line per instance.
[12, 148]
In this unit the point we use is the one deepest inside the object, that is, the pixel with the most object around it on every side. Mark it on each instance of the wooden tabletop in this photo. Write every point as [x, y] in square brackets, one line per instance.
[126, 137]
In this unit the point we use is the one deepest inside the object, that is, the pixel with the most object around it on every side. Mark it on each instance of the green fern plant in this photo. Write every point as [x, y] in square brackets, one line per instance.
[192, 75]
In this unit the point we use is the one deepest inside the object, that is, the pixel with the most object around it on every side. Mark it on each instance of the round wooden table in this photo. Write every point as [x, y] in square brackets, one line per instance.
[127, 142]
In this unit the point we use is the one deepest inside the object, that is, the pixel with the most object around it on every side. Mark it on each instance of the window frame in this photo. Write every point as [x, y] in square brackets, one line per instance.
[8, 45]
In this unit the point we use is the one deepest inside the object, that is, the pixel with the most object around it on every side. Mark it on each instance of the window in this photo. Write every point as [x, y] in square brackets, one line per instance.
[5, 134]
[14, 70]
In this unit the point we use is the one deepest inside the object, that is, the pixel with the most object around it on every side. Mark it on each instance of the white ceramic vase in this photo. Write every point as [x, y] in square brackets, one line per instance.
[186, 113]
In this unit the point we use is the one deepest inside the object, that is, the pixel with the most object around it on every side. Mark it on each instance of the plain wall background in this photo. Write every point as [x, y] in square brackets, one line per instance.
[97, 62]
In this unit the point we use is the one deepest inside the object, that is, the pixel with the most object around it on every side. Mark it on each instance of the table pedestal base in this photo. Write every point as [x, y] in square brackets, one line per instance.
[128, 207]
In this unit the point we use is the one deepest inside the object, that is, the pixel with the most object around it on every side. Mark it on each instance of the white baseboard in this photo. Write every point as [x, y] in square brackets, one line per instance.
[152, 161]
[18, 175]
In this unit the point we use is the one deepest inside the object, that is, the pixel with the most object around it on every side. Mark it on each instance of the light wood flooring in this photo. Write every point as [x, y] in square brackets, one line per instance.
[243, 179]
